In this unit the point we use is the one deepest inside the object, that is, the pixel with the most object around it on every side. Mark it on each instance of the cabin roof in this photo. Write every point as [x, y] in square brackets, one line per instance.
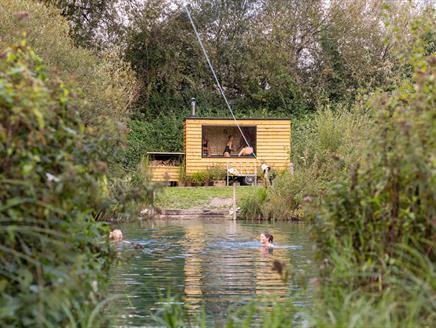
[238, 119]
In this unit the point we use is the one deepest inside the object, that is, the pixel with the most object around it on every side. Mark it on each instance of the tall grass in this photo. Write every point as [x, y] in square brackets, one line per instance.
[405, 297]
[376, 226]
[366, 180]
[258, 313]
[324, 146]
[251, 206]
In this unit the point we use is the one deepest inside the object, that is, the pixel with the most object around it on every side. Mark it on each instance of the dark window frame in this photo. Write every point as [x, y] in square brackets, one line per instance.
[228, 126]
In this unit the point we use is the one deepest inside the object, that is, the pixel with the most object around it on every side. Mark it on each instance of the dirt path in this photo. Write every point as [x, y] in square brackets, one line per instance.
[218, 202]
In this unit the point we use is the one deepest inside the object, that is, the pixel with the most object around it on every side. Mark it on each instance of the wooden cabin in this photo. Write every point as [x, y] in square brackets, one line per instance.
[269, 137]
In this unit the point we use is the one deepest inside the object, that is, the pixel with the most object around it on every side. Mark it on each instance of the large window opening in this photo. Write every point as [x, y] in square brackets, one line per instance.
[227, 141]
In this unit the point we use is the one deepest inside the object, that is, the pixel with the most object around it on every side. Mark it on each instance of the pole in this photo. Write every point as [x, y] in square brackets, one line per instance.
[193, 112]
[234, 200]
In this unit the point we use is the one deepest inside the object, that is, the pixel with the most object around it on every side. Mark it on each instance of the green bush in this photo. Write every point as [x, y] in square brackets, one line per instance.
[285, 199]
[324, 146]
[161, 134]
[53, 257]
[216, 173]
[252, 205]
[389, 198]
[200, 178]
[376, 231]
[333, 133]
[131, 192]
[100, 86]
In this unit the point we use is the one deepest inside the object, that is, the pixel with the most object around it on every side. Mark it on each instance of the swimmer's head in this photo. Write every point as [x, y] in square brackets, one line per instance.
[266, 238]
[116, 235]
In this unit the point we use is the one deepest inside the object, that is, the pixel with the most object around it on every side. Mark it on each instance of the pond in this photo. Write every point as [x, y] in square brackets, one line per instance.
[208, 265]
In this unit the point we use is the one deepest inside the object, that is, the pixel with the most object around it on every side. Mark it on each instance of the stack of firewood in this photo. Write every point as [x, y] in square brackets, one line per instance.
[168, 162]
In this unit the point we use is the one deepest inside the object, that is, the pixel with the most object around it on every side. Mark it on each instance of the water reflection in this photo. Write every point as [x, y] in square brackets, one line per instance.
[210, 265]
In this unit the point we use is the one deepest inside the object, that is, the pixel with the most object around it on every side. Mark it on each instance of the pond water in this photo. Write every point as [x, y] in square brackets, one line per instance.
[209, 265]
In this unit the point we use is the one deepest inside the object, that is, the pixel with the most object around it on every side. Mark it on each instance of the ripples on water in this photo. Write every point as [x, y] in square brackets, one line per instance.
[210, 265]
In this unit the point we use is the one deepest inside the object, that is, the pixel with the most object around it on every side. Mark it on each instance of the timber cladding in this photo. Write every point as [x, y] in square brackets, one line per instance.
[272, 143]
[165, 173]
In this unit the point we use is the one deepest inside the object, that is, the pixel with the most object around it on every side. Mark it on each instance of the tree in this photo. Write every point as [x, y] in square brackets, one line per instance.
[102, 84]
[92, 22]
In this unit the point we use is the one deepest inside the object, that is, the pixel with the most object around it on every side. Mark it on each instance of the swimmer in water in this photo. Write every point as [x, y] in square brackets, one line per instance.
[266, 239]
[116, 235]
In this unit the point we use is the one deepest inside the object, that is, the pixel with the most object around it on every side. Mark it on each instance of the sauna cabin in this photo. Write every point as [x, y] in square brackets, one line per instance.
[270, 139]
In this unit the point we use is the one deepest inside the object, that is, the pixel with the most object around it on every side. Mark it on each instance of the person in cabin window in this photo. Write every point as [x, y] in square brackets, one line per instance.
[229, 147]
[205, 147]
[246, 150]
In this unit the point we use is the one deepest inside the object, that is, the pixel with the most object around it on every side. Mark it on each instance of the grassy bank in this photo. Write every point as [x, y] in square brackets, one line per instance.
[201, 197]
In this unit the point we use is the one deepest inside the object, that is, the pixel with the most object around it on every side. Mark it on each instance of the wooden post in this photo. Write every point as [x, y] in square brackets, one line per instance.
[255, 173]
[227, 174]
[266, 178]
[234, 200]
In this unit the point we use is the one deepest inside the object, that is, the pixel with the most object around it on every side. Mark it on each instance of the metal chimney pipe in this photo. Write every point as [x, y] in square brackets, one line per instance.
[193, 104]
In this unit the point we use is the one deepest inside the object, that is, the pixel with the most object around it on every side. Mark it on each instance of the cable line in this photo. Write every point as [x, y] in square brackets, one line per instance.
[217, 82]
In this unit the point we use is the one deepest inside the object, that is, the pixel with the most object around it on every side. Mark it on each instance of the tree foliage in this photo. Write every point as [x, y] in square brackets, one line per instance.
[92, 22]
[51, 260]
[277, 54]
[275, 57]
[103, 85]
